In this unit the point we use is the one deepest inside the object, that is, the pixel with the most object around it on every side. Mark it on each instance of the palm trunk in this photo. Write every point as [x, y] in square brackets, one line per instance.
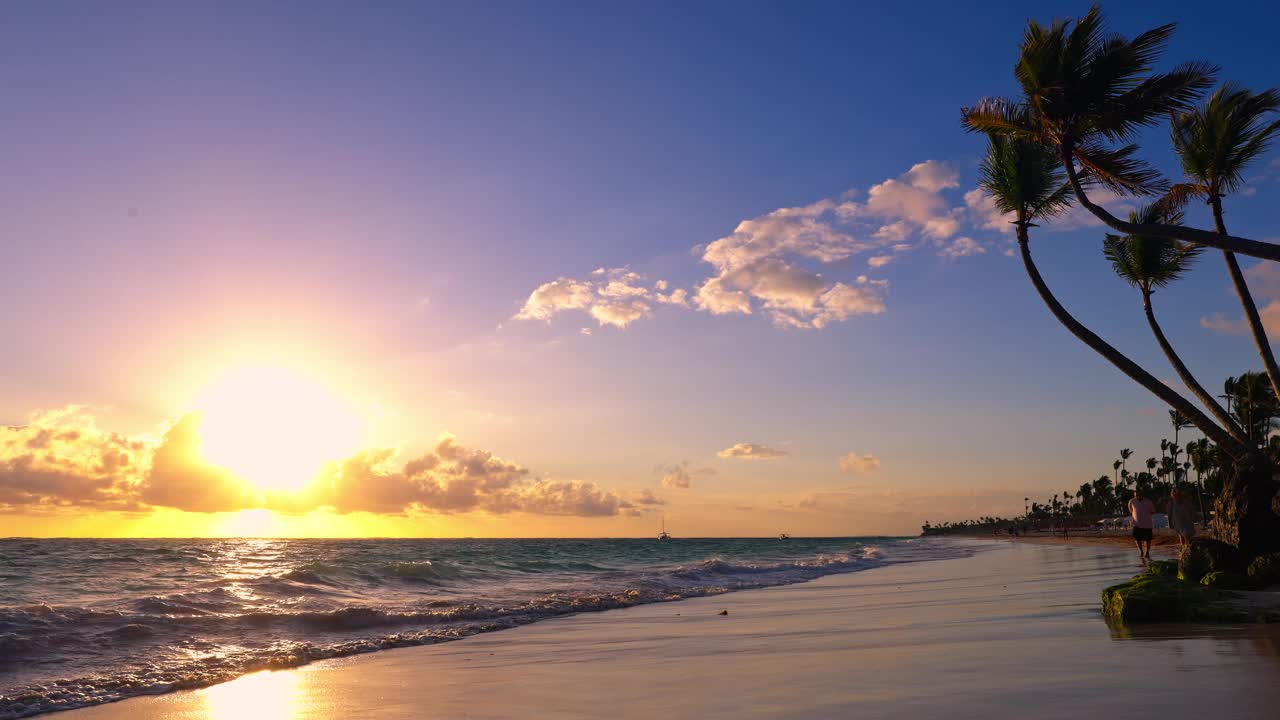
[1246, 301]
[1123, 363]
[1205, 397]
[1222, 241]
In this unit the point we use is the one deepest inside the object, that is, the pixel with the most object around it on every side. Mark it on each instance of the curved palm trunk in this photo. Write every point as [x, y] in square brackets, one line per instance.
[1184, 374]
[1123, 363]
[1222, 241]
[1246, 301]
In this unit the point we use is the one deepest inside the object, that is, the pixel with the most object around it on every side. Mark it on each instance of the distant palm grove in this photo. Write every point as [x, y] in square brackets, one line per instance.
[1197, 468]
[1069, 136]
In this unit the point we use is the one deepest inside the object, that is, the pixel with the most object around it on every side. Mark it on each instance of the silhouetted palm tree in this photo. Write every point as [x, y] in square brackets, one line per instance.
[1024, 180]
[1217, 143]
[1086, 89]
[1150, 263]
[1254, 404]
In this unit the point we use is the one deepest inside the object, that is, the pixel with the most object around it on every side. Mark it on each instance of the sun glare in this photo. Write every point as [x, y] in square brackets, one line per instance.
[275, 427]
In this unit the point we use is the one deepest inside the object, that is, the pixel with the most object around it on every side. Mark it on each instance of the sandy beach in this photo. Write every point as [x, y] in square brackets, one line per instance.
[1014, 629]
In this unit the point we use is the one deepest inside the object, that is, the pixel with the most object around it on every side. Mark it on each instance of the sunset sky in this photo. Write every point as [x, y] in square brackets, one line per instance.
[556, 269]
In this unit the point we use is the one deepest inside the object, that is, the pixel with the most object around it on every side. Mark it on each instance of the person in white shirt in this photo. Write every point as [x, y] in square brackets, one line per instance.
[1141, 509]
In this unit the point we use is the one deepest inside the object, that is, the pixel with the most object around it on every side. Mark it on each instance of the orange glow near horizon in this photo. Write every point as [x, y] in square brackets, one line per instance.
[275, 427]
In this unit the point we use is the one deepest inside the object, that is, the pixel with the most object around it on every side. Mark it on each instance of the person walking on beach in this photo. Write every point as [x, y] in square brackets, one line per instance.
[1182, 517]
[1141, 509]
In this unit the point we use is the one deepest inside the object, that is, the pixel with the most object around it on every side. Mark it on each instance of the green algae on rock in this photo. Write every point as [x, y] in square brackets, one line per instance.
[1156, 598]
[1224, 580]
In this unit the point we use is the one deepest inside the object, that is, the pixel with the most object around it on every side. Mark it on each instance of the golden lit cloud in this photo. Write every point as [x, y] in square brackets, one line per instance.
[61, 460]
[752, 451]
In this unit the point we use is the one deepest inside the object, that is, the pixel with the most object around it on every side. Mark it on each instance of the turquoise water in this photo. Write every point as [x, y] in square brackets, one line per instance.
[89, 621]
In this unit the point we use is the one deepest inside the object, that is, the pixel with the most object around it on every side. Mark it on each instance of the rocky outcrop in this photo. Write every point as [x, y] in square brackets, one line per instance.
[1202, 556]
[1247, 513]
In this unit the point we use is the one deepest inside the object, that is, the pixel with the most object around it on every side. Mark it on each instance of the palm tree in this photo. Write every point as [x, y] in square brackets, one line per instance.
[1085, 89]
[1125, 454]
[1149, 263]
[1024, 180]
[1217, 143]
[1115, 468]
[1255, 405]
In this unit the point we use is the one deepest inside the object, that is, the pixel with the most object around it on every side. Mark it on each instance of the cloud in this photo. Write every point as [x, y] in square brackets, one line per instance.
[181, 478]
[752, 451]
[681, 476]
[1264, 284]
[962, 247]
[556, 296]
[61, 459]
[611, 296]
[1219, 323]
[912, 202]
[984, 214]
[785, 263]
[647, 497]
[855, 463]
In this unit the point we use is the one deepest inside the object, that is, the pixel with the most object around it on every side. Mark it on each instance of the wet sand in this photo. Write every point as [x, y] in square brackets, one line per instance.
[1162, 544]
[1014, 631]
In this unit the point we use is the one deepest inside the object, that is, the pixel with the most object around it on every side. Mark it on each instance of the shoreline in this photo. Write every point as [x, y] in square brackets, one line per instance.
[964, 637]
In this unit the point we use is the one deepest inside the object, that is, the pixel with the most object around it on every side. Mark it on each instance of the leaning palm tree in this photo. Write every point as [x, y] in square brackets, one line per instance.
[1088, 93]
[1217, 143]
[1025, 181]
[1151, 263]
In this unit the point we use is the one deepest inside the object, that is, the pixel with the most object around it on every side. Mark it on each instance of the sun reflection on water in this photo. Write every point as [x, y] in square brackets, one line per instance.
[272, 695]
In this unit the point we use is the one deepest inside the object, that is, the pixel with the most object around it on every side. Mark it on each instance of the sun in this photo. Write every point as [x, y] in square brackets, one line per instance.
[275, 427]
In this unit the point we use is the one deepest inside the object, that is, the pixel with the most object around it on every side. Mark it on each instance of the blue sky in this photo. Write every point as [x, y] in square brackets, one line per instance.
[373, 194]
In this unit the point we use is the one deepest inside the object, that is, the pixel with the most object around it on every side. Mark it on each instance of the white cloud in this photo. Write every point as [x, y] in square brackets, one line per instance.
[556, 296]
[855, 463]
[984, 214]
[933, 176]
[752, 451]
[612, 296]
[784, 264]
[962, 247]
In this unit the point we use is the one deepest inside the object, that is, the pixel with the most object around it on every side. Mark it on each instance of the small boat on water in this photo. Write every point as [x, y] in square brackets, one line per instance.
[783, 536]
[664, 535]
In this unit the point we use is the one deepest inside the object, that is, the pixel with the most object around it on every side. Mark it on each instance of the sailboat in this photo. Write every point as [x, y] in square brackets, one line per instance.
[664, 536]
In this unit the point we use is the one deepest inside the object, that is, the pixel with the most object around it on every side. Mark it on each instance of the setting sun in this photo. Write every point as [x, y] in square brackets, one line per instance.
[275, 427]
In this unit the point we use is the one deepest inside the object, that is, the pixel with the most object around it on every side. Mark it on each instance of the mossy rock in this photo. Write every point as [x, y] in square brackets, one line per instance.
[1225, 581]
[1161, 598]
[1163, 567]
[1265, 570]
[1202, 556]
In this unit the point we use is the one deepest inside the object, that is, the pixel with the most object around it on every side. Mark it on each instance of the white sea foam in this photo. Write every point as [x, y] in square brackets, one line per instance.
[78, 617]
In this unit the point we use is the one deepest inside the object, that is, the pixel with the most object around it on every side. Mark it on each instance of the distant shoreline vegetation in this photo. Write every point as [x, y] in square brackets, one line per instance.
[1199, 470]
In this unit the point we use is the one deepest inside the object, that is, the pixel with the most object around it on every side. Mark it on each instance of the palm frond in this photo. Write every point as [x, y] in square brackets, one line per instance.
[1119, 169]
[1147, 262]
[1217, 142]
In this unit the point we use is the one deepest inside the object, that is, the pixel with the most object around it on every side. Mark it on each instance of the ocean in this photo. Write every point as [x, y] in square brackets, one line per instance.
[84, 622]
